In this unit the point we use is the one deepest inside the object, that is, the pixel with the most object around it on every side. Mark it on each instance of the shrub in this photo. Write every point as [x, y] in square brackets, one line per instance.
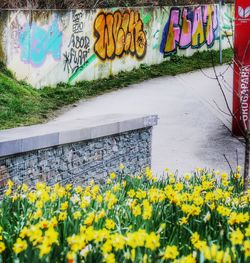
[75, 4]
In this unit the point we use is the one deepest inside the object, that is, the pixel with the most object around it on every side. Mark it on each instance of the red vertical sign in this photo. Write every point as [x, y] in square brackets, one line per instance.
[241, 100]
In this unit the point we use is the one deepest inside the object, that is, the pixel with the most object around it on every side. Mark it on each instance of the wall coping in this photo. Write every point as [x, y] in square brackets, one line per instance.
[25, 139]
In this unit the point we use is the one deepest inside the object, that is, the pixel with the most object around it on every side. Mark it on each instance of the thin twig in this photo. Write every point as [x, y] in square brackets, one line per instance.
[218, 107]
[228, 163]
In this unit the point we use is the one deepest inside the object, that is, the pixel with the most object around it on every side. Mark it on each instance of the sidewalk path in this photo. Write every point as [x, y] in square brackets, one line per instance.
[191, 132]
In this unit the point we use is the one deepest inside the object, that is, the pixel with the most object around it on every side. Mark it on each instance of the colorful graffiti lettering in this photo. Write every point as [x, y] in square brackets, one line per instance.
[118, 34]
[36, 43]
[189, 27]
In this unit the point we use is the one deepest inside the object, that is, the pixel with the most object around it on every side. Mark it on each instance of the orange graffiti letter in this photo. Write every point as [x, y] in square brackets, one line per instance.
[110, 43]
[104, 46]
[131, 30]
[125, 25]
[140, 40]
[119, 35]
[99, 31]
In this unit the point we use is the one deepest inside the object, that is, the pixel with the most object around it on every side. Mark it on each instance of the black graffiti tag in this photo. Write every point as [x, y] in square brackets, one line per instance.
[77, 24]
[79, 42]
[73, 59]
[78, 47]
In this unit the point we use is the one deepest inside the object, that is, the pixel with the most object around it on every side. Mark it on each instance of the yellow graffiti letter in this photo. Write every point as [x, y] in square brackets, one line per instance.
[198, 37]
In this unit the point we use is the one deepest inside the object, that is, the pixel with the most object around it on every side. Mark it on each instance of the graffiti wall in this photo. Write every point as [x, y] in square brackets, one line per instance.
[48, 47]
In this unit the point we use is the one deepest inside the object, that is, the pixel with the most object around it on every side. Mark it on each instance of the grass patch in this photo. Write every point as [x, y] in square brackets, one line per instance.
[20, 104]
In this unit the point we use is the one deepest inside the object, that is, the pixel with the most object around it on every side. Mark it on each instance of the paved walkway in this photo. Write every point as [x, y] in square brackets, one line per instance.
[192, 130]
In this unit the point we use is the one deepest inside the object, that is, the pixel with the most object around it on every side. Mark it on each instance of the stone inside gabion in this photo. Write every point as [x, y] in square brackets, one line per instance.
[80, 162]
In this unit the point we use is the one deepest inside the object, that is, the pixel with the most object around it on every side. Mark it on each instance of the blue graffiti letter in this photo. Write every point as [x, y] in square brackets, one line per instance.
[36, 43]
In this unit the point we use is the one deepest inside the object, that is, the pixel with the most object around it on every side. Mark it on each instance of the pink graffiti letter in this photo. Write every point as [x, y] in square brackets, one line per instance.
[209, 21]
[186, 30]
[215, 18]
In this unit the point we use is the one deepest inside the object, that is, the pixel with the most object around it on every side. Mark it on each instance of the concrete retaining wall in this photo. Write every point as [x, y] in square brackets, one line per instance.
[48, 47]
[76, 151]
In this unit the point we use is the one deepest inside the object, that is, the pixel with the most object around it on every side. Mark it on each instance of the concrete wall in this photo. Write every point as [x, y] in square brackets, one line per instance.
[48, 47]
[76, 151]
